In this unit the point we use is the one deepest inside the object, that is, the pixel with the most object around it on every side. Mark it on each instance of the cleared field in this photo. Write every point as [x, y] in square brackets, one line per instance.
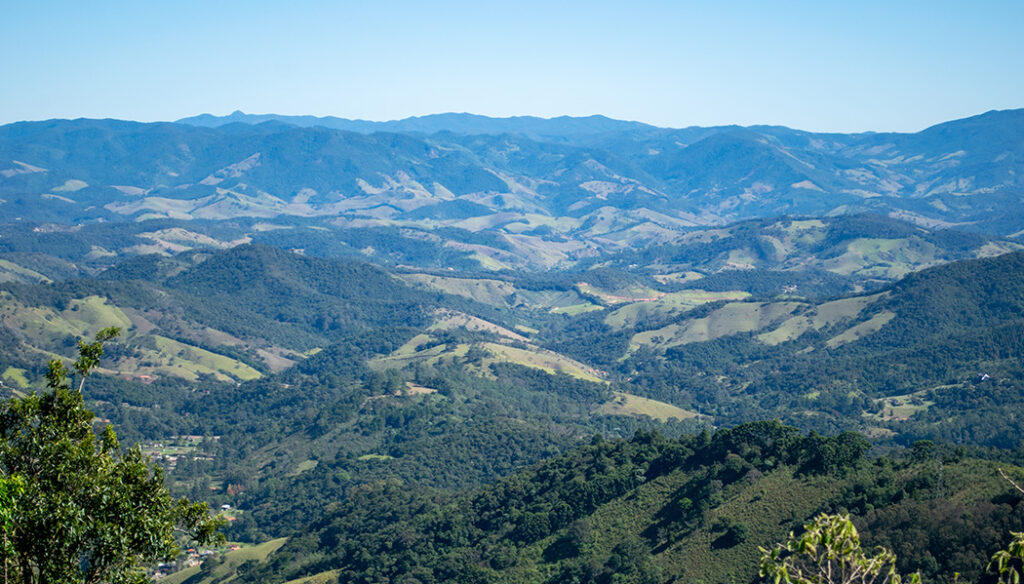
[12, 272]
[677, 277]
[413, 389]
[203, 361]
[900, 407]
[179, 239]
[413, 351]
[276, 360]
[303, 466]
[321, 578]
[419, 350]
[781, 248]
[883, 258]
[83, 318]
[549, 299]
[817, 318]
[232, 559]
[450, 319]
[733, 318]
[486, 291]
[861, 330]
[92, 313]
[667, 305]
[575, 309]
[531, 221]
[742, 259]
[544, 360]
[806, 232]
[765, 508]
[489, 263]
[627, 294]
[70, 186]
[16, 377]
[535, 250]
[626, 404]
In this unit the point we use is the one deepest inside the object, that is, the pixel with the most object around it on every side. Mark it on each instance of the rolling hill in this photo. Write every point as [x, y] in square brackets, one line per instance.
[940, 339]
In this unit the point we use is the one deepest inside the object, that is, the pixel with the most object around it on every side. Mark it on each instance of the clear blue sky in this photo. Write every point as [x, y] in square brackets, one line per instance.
[839, 66]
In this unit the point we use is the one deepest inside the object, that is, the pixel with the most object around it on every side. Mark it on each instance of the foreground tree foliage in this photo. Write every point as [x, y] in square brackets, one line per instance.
[829, 552]
[83, 510]
[1009, 563]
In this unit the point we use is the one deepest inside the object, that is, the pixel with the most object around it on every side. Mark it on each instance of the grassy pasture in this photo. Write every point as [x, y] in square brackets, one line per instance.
[635, 293]
[861, 330]
[321, 578]
[742, 258]
[733, 318]
[449, 320]
[883, 258]
[677, 277]
[203, 361]
[542, 359]
[625, 404]
[16, 377]
[576, 309]
[667, 305]
[417, 351]
[486, 291]
[549, 299]
[901, 407]
[766, 506]
[232, 559]
[83, 317]
[817, 318]
[12, 272]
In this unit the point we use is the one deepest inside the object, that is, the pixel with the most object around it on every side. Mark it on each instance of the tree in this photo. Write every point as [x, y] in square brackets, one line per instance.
[10, 487]
[1009, 563]
[829, 552]
[85, 510]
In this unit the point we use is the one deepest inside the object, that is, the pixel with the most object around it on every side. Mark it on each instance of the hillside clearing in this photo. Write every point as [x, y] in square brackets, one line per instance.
[626, 404]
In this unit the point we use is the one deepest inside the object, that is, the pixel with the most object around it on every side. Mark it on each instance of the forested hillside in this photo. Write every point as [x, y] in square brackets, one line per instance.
[653, 509]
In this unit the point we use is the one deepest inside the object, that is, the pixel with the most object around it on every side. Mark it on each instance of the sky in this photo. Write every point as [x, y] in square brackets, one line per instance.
[822, 66]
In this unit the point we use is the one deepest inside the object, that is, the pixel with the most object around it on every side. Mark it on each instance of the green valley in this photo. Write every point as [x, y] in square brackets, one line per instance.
[522, 357]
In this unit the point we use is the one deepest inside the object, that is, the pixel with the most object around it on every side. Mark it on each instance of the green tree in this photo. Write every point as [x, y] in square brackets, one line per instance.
[84, 510]
[829, 552]
[10, 488]
[1009, 563]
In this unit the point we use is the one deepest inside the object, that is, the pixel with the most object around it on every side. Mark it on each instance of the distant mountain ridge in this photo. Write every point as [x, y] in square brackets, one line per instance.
[458, 123]
[571, 185]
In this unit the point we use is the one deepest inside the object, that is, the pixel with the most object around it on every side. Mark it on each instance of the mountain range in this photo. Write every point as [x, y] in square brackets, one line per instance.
[416, 351]
[571, 185]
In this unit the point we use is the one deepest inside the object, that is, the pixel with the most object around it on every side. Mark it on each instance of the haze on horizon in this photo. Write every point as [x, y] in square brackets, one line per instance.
[842, 67]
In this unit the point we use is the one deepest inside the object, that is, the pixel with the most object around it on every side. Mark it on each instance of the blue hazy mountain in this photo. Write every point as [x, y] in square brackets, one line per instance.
[461, 123]
[582, 181]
